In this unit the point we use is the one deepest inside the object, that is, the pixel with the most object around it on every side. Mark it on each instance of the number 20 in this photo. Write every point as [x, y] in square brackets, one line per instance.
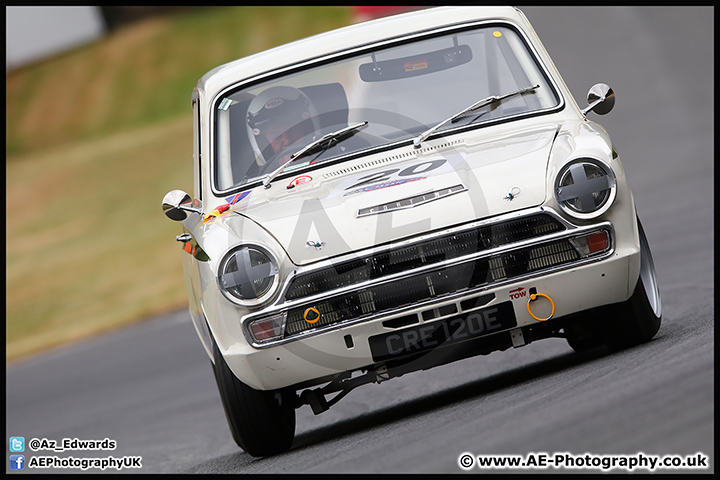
[386, 175]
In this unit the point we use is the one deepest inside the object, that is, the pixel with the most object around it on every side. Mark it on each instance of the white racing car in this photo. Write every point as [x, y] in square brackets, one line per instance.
[396, 195]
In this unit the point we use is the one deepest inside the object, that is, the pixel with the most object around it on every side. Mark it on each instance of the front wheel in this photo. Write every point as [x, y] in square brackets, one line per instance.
[626, 324]
[261, 422]
[638, 319]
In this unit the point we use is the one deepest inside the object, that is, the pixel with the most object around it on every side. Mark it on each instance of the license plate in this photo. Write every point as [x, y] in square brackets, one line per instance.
[443, 332]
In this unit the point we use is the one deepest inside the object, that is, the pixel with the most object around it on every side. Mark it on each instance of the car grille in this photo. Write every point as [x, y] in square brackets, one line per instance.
[388, 281]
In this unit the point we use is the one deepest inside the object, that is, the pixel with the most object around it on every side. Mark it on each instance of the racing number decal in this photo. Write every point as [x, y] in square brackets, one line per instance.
[374, 178]
[386, 175]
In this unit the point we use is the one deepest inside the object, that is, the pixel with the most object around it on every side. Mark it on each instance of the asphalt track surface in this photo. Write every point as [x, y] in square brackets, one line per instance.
[151, 389]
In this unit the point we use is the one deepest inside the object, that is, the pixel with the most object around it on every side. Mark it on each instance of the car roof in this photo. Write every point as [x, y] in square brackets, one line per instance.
[353, 36]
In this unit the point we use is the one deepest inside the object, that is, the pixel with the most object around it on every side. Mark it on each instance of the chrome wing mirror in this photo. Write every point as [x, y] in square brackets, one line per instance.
[601, 99]
[177, 203]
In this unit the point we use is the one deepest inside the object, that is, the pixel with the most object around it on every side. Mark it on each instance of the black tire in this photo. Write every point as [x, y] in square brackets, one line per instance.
[625, 324]
[638, 319]
[261, 422]
[584, 332]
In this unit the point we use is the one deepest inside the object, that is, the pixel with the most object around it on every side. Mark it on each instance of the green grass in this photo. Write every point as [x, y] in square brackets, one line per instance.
[94, 139]
[144, 73]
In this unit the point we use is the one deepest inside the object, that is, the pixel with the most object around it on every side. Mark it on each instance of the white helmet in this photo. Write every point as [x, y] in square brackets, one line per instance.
[277, 110]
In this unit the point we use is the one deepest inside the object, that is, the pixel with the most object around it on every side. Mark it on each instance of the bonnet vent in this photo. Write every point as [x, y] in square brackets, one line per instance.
[392, 158]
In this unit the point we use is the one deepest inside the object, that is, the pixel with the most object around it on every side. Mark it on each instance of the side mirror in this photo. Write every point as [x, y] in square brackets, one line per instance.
[176, 204]
[601, 99]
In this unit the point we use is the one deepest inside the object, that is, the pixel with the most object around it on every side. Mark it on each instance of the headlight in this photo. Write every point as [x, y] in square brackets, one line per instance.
[585, 188]
[248, 275]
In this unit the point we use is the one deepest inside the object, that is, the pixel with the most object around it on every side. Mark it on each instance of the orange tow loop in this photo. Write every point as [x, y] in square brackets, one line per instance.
[533, 297]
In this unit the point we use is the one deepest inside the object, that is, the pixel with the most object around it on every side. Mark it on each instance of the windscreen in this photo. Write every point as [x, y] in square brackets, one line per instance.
[395, 93]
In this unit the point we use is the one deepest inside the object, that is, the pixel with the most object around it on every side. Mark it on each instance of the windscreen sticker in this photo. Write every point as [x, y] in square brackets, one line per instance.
[225, 104]
[292, 167]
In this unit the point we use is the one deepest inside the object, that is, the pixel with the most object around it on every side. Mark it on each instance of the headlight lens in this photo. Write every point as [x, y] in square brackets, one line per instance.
[585, 188]
[248, 275]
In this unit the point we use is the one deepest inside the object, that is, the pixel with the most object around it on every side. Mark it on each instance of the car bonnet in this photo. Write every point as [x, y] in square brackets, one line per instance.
[374, 200]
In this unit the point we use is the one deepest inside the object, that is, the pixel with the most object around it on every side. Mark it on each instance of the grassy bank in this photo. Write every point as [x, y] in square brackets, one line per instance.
[94, 139]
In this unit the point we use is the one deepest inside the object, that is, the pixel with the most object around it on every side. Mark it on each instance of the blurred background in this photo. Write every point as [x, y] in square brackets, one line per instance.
[98, 129]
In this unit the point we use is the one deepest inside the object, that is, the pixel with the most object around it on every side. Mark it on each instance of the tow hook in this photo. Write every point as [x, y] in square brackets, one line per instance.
[534, 296]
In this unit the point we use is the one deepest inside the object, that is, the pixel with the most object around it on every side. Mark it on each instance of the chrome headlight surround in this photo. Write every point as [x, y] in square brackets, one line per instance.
[248, 275]
[585, 188]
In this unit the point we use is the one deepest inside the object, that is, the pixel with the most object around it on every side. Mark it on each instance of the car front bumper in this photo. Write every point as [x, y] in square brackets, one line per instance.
[316, 355]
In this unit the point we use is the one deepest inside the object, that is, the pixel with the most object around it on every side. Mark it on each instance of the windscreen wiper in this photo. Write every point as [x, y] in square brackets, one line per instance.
[324, 141]
[485, 101]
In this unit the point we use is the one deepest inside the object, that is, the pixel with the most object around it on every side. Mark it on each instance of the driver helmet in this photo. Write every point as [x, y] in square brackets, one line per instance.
[276, 118]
